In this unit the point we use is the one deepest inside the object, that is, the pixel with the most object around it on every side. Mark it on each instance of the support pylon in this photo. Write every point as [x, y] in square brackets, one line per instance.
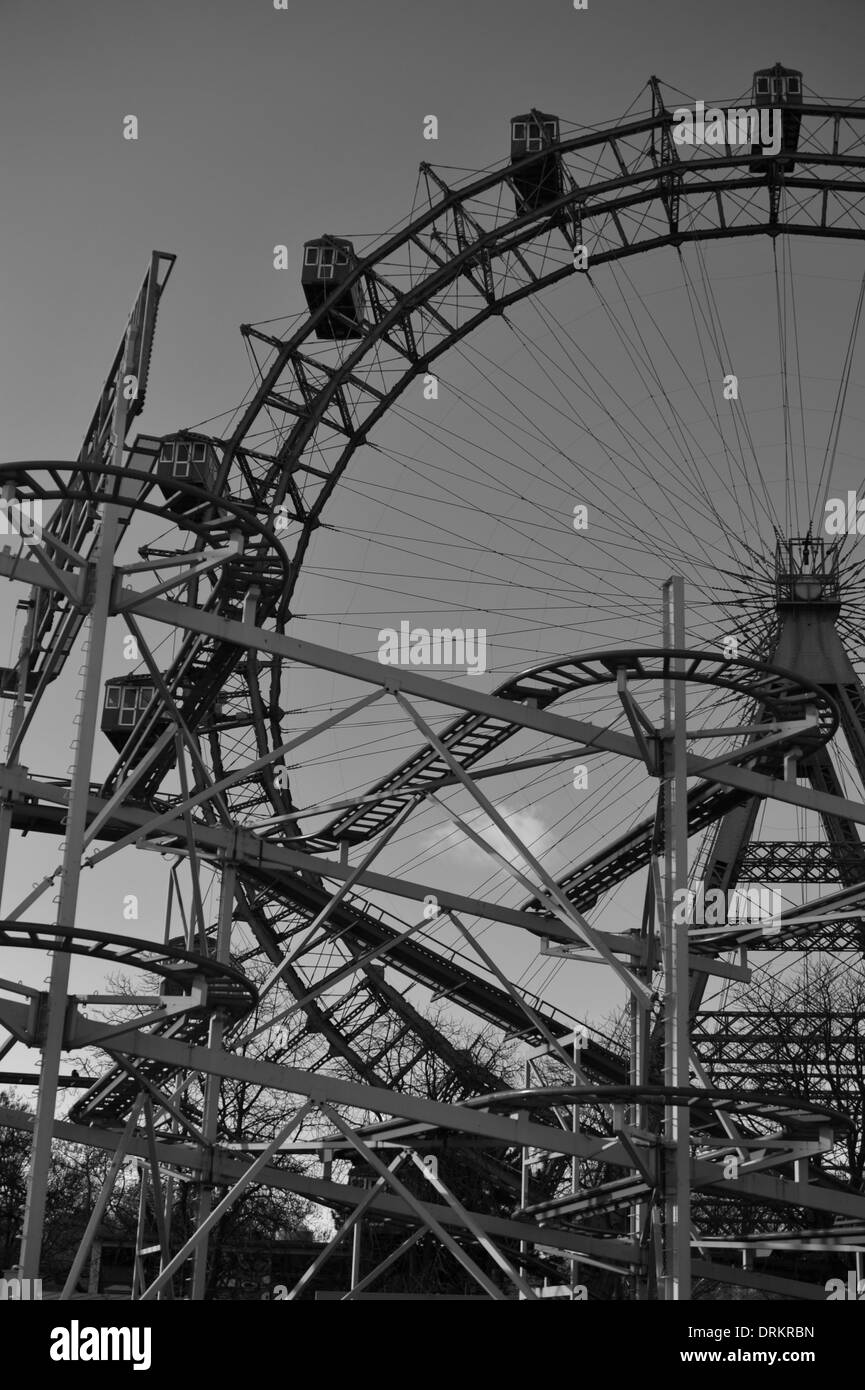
[675, 1273]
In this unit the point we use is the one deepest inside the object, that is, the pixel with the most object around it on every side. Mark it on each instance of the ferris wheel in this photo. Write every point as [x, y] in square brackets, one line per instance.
[521, 594]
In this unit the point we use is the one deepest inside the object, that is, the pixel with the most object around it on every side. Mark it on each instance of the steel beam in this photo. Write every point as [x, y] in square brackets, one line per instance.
[226, 1168]
[102, 581]
[675, 1280]
[320, 1087]
[247, 1177]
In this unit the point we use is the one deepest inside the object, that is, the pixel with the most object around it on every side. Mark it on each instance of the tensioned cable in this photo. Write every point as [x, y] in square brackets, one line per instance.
[787, 253]
[840, 403]
[740, 415]
[781, 305]
[676, 542]
[694, 305]
[635, 461]
[562, 558]
[686, 436]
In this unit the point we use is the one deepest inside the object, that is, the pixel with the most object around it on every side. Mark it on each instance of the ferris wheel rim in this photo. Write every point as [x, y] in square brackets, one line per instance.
[527, 226]
[652, 180]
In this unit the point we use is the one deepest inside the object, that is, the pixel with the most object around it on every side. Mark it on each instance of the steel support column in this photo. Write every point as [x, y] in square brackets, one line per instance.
[212, 1085]
[675, 1282]
[101, 584]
